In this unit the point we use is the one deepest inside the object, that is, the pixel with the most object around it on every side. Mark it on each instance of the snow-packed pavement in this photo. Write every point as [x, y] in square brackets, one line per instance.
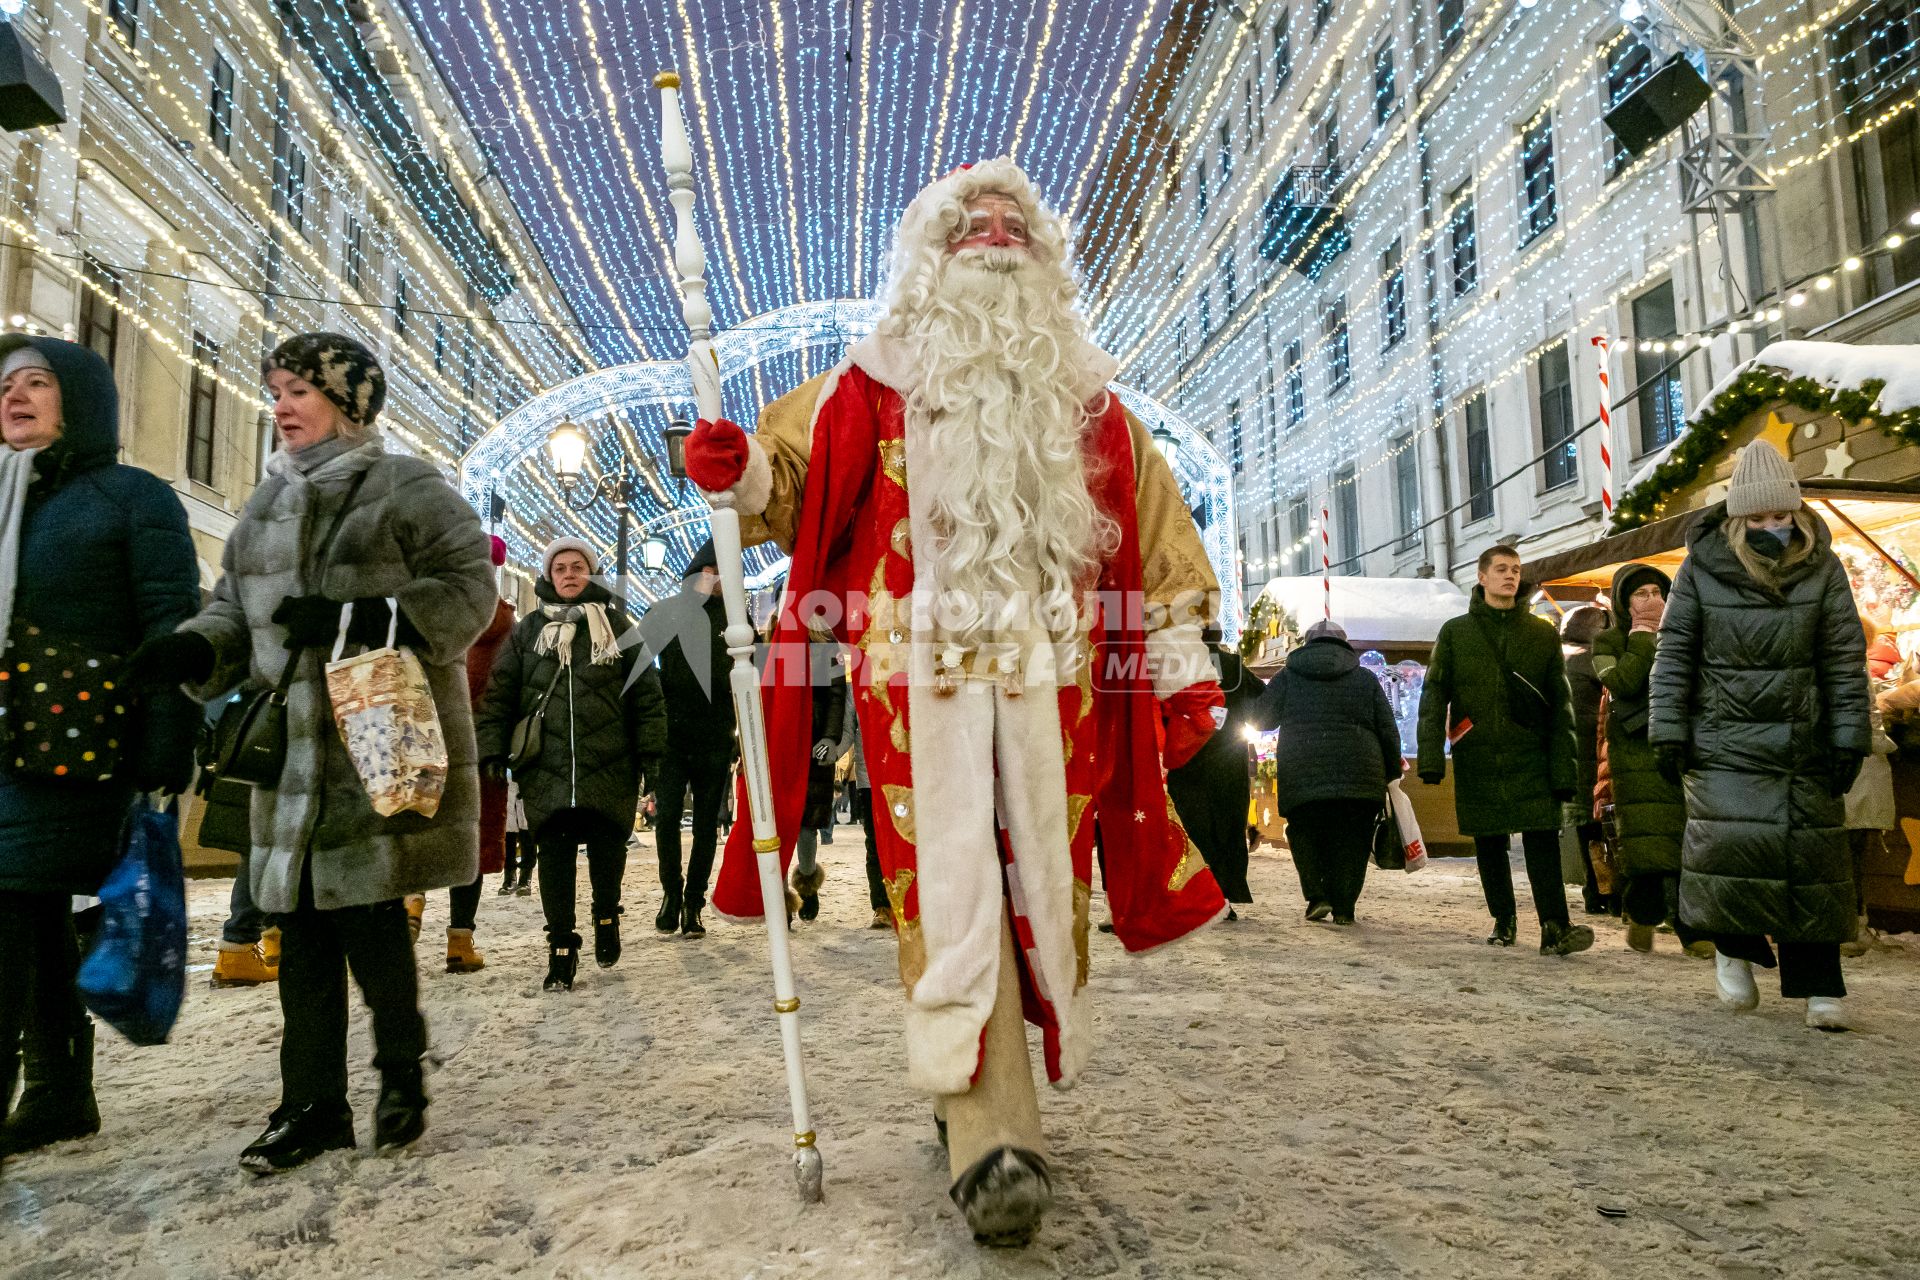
[1274, 1098]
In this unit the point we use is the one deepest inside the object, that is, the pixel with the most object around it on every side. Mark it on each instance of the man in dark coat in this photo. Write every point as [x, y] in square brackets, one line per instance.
[694, 666]
[1339, 747]
[1496, 691]
[1212, 791]
[603, 725]
[103, 562]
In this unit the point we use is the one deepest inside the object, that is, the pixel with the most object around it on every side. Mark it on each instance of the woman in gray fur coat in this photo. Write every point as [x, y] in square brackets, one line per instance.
[340, 520]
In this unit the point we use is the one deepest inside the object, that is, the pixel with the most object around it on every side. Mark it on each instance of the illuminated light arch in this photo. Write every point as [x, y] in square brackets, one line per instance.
[1205, 479]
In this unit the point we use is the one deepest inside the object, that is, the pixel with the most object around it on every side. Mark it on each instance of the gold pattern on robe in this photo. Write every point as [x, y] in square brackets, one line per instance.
[1082, 909]
[1191, 863]
[900, 809]
[913, 947]
[893, 461]
[1076, 810]
[885, 644]
[903, 540]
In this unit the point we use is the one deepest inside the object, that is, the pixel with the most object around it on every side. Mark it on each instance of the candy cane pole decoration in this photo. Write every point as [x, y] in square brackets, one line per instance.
[1326, 560]
[1606, 429]
[690, 260]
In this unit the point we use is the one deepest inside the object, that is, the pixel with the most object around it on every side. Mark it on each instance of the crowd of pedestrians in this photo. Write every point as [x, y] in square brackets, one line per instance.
[1708, 735]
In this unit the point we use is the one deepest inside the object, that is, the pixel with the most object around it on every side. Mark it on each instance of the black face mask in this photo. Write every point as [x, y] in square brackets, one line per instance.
[1767, 543]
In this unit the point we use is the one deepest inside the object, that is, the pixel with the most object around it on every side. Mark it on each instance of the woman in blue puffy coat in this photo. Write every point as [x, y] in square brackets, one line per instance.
[94, 557]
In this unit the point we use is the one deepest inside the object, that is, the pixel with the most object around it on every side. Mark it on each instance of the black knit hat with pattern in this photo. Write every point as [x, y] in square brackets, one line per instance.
[341, 367]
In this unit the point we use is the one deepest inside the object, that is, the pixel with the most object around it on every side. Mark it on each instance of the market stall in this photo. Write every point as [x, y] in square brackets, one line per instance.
[1392, 623]
[1848, 419]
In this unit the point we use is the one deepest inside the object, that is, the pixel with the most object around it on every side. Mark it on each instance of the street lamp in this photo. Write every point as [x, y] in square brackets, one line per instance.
[567, 447]
[1167, 443]
[653, 553]
[675, 437]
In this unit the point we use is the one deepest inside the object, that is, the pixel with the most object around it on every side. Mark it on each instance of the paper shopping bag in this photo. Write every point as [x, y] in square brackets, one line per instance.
[384, 709]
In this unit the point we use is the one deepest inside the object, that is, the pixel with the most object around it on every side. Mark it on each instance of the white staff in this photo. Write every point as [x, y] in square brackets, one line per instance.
[690, 260]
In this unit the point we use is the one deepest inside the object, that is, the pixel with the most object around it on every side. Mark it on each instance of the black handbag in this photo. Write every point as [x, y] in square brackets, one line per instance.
[1526, 705]
[529, 737]
[1389, 850]
[250, 738]
[64, 713]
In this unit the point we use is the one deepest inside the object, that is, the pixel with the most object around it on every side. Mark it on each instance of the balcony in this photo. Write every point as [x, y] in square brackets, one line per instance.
[1300, 226]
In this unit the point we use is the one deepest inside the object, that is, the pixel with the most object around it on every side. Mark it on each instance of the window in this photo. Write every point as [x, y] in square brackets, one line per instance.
[1406, 489]
[1554, 378]
[1479, 460]
[1229, 280]
[1296, 384]
[1250, 111]
[439, 345]
[1271, 395]
[1629, 63]
[1173, 167]
[1322, 14]
[203, 410]
[1875, 56]
[1327, 139]
[99, 316]
[1463, 245]
[1300, 535]
[1226, 155]
[355, 256]
[1333, 326]
[1236, 444]
[1450, 20]
[1876, 62]
[400, 303]
[1539, 202]
[125, 16]
[1393, 298]
[1200, 185]
[292, 193]
[1282, 51]
[1206, 312]
[1662, 402]
[220, 106]
[1383, 91]
[1346, 517]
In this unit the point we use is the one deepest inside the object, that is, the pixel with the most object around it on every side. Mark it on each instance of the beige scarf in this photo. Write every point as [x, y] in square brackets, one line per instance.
[564, 623]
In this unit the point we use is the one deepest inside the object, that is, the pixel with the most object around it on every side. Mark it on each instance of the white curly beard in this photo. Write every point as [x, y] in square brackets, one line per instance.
[1009, 502]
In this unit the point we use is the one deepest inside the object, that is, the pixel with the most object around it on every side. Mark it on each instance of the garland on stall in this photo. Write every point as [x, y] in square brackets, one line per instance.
[1752, 391]
[1268, 621]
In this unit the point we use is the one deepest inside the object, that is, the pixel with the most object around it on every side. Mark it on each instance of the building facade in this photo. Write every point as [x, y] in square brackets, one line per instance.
[1383, 234]
[234, 171]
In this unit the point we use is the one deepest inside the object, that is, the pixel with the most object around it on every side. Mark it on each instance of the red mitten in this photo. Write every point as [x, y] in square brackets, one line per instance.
[716, 455]
[1191, 719]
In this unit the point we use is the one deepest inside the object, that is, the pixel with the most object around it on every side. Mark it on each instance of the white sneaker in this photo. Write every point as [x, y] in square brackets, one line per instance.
[1735, 979]
[1827, 1013]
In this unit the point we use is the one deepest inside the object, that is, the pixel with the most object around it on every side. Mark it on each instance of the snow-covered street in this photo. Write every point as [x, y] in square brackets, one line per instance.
[1272, 1098]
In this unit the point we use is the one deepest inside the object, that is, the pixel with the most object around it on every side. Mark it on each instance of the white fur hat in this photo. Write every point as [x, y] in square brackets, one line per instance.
[558, 545]
[1001, 174]
[1763, 481]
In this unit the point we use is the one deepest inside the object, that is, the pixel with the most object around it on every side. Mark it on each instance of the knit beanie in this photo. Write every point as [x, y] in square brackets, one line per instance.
[558, 545]
[1763, 481]
[497, 550]
[703, 558]
[1326, 629]
[341, 367]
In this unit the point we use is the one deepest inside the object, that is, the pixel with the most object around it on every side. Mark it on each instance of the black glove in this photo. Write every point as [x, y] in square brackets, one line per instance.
[1433, 779]
[494, 770]
[368, 626]
[180, 657]
[1844, 771]
[1671, 759]
[311, 621]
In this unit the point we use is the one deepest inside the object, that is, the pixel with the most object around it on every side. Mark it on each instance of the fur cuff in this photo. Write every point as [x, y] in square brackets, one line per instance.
[1178, 659]
[753, 490]
[943, 1048]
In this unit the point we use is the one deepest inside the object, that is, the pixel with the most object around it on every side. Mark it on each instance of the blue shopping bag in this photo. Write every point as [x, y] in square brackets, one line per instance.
[136, 974]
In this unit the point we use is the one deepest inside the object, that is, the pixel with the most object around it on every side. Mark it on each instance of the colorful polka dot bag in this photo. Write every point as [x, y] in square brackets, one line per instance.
[62, 711]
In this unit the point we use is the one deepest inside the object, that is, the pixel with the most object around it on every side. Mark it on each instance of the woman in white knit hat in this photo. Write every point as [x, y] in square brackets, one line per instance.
[1760, 701]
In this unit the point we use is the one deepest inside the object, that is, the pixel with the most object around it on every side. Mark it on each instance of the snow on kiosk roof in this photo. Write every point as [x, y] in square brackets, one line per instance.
[1398, 611]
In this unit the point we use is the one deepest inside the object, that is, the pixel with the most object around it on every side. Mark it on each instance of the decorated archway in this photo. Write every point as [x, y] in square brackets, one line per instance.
[626, 407]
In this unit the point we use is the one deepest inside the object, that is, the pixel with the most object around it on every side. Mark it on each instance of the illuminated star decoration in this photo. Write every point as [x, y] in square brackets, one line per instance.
[1839, 462]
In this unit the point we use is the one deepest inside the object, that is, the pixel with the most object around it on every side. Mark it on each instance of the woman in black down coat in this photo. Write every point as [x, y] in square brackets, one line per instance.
[100, 559]
[604, 727]
[1760, 699]
[1577, 633]
[1338, 749]
[1212, 791]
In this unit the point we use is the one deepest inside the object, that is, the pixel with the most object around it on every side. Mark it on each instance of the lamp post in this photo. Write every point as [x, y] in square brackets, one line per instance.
[1167, 443]
[567, 448]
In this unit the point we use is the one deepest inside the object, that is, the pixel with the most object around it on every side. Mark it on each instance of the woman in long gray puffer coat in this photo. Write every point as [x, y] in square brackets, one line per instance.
[1760, 698]
[332, 869]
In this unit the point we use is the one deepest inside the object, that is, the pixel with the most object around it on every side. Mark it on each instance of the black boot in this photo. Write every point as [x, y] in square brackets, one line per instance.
[1505, 931]
[401, 1115]
[606, 939]
[1564, 939]
[57, 1103]
[296, 1135]
[1004, 1195]
[1319, 910]
[669, 918]
[690, 924]
[563, 961]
